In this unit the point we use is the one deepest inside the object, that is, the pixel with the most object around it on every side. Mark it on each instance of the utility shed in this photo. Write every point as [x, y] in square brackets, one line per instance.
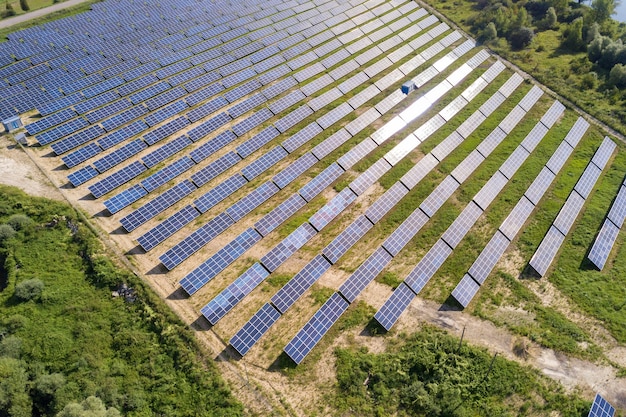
[12, 123]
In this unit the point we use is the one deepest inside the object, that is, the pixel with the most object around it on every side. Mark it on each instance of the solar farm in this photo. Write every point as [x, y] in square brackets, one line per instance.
[224, 149]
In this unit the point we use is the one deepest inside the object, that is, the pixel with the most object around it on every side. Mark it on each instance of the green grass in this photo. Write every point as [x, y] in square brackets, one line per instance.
[135, 356]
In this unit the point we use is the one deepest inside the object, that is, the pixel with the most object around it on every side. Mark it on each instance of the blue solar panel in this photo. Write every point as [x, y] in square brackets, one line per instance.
[103, 86]
[365, 274]
[219, 306]
[332, 209]
[346, 239]
[302, 136]
[102, 99]
[107, 110]
[219, 193]
[321, 181]
[123, 117]
[82, 175]
[264, 162]
[165, 151]
[306, 339]
[386, 202]
[165, 113]
[81, 155]
[218, 262]
[122, 134]
[207, 109]
[167, 228]
[61, 130]
[77, 139]
[256, 327]
[120, 177]
[241, 91]
[204, 86]
[209, 126]
[50, 107]
[50, 121]
[252, 200]
[428, 266]
[293, 171]
[215, 168]
[149, 92]
[166, 130]
[288, 246]
[279, 214]
[395, 305]
[601, 408]
[167, 174]
[331, 143]
[157, 205]
[125, 198]
[257, 141]
[196, 240]
[465, 290]
[138, 84]
[210, 147]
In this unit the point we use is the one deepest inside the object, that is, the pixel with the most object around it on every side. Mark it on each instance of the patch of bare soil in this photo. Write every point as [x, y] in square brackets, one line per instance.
[18, 170]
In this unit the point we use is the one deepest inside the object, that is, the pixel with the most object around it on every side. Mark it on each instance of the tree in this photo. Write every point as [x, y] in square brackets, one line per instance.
[521, 38]
[549, 21]
[14, 398]
[490, 33]
[617, 76]
[573, 35]
[603, 9]
[24, 5]
[90, 407]
[30, 289]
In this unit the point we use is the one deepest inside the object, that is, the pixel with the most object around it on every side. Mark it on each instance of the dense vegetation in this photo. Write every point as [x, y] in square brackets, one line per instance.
[67, 348]
[429, 374]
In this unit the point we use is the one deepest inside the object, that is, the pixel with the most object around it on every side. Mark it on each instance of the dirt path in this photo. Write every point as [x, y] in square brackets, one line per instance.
[35, 14]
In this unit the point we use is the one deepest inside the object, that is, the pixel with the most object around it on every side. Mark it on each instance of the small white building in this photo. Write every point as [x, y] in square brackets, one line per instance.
[12, 123]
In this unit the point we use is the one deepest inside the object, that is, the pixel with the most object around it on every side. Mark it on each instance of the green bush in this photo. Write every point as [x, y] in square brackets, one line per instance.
[30, 289]
[19, 222]
[6, 233]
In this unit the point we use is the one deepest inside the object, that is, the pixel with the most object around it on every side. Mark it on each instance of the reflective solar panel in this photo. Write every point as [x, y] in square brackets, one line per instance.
[601, 408]
[196, 240]
[306, 339]
[252, 121]
[81, 155]
[346, 239]
[157, 205]
[617, 213]
[577, 132]
[252, 200]
[357, 153]
[405, 232]
[416, 174]
[288, 246]
[462, 224]
[370, 176]
[294, 170]
[439, 195]
[77, 139]
[264, 162]
[531, 98]
[331, 143]
[547, 250]
[587, 180]
[363, 121]
[301, 137]
[428, 266]
[221, 304]
[224, 189]
[210, 268]
[514, 222]
[323, 100]
[603, 244]
[332, 209]
[125, 198]
[603, 153]
[553, 113]
[256, 327]
[124, 117]
[116, 179]
[365, 274]
[291, 119]
[568, 213]
[465, 290]
[490, 190]
[166, 130]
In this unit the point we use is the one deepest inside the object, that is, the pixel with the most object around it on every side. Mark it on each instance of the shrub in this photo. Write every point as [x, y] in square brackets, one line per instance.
[617, 76]
[6, 233]
[19, 222]
[30, 289]
[521, 38]
[24, 5]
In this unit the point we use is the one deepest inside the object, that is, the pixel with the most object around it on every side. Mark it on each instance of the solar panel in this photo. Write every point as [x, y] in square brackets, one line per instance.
[210, 268]
[316, 85]
[252, 121]
[439, 195]
[294, 170]
[166, 130]
[256, 327]
[389, 102]
[604, 152]
[103, 86]
[553, 113]
[395, 305]
[116, 179]
[82, 175]
[490, 190]
[125, 198]
[81, 155]
[167, 228]
[157, 205]
[165, 98]
[465, 290]
[531, 98]
[264, 162]
[346, 239]
[87, 105]
[601, 408]
[343, 70]
[489, 257]
[203, 88]
[122, 134]
[461, 225]
[514, 162]
[353, 82]
[405, 232]
[509, 86]
[287, 247]
[192, 243]
[226, 188]
[428, 266]
[514, 222]
[306, 339]
[77, 139]
[252, 200]
[546, 251]
[553, 166]
[291, 119]
[123, 118]
[369, 177]
[215, 168]
[49, 121]
[587, 181]
[219, 306]
[577, 132]
[211, 125]
[301, 137]
[355, 154]
[365, 274]
[603, 244]
[568, 213]
[165, 151]
[167, 174]
[416, 174]
[332, 209]
[50, 107]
